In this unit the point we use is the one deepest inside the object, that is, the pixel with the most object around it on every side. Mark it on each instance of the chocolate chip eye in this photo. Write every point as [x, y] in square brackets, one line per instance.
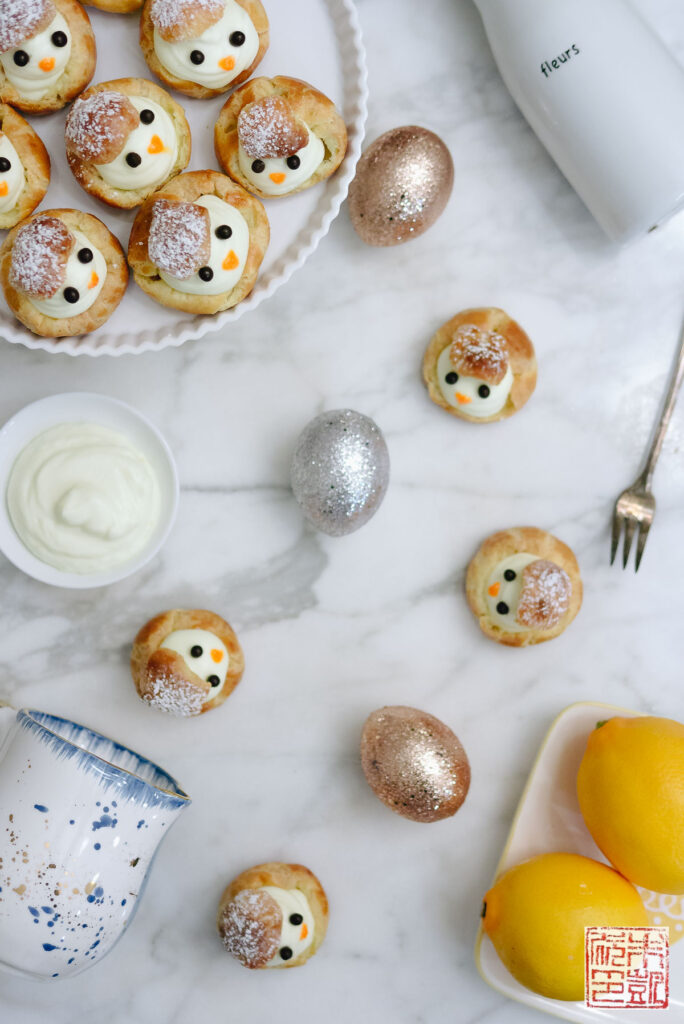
[21, 58]
[197, 57]
[451, 377]
[286, 953]
[196, 651]
[502, 608]
[85, 255]
[483, 391]
[509, 575]
[205, 273]
[258, 166]
[4, 164]
[296, 918]
[59, 39]
[236, 38]
[147, 116]
[214, 680]
[71, 295]
[293, 162]
[133, 159]
[223, 231]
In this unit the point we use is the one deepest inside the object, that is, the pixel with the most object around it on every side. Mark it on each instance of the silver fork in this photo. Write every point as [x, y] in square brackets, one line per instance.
[635, 508]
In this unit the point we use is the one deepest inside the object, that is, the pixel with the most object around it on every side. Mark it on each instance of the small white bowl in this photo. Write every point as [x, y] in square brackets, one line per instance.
[85, 407]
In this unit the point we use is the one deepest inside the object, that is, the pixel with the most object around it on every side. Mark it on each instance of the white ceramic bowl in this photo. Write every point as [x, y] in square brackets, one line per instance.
[85, 407]
[317, 40]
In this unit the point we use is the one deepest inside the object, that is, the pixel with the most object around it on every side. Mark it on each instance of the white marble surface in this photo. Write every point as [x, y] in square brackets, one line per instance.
[335, 628]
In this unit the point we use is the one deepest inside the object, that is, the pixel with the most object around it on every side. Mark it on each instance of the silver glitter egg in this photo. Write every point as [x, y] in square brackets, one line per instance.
[340, 471]
[414, 763]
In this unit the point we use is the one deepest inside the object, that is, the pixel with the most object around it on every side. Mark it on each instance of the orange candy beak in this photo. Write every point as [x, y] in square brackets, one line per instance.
[156, 145]
[231, 262]
[46, 64]
[304, 932]
[462, 399]
[94, 281]
[277, 177]
[216, 655]
[4, 188]
[227, 63]
[494, 589]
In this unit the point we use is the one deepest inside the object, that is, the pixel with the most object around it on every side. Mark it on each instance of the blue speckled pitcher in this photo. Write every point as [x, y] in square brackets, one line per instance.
[81, 818]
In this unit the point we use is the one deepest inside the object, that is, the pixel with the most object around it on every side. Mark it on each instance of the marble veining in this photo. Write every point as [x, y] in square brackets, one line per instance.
[334, 627]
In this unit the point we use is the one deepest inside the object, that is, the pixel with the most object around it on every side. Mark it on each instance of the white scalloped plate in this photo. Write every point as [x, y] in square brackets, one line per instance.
[548, 819]
[317, 40]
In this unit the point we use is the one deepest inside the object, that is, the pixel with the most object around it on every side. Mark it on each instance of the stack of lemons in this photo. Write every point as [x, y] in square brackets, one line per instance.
[630, 787]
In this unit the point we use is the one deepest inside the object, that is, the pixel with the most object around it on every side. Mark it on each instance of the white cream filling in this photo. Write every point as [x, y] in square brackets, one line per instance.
[507, 591]
[156, 163]
[310, 157]
[214, 44]
[210, 659]
[297, 937]
[12, 181]
[227, 257]
[32, 80]
[464, 393]
[86, 278]
[83, 498]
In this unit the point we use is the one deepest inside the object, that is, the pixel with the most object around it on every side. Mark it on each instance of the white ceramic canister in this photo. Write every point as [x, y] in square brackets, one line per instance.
[606, 98]
[81, 818]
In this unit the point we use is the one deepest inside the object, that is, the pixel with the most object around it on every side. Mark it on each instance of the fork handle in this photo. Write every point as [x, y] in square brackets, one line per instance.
[665, 416]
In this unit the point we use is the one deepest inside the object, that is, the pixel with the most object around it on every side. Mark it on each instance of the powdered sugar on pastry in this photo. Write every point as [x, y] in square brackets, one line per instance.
[228, 251]
[479, 353]
[172, 694]
[179, 240]
[250, 927]
[268, 128]
[39, 257]
[184, 19]
[97, 127]
[22, 19]
[545, 595]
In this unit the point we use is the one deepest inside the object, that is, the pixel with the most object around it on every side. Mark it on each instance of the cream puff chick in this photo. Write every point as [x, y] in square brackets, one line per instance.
[278, 152]
[480, 366]
[125, 139]
[279, 136]
[273, 916]
[47, 53]
[197, 244]
[186, 662]
[524, 586]
[202, 47]
[24, 168]
[63, 273]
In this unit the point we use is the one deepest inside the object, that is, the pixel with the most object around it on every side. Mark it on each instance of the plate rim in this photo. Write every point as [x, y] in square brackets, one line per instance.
[164, 337]
[480, 936]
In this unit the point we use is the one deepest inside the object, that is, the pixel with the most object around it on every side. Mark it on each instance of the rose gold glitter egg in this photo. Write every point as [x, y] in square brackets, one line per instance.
[403, 182]
[414, 763]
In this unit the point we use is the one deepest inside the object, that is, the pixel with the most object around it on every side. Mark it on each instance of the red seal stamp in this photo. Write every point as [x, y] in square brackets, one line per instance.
[627, 967]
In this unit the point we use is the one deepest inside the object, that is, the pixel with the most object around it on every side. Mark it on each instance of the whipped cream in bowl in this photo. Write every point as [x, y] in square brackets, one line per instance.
[89, 487]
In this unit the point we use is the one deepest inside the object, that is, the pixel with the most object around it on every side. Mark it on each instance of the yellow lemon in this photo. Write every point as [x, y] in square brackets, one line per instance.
[536, 913]
[630, 787]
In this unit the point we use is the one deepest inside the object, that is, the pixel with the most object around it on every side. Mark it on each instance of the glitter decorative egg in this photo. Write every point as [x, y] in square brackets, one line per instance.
[403, 182]
[414, 763]
[340, 471]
